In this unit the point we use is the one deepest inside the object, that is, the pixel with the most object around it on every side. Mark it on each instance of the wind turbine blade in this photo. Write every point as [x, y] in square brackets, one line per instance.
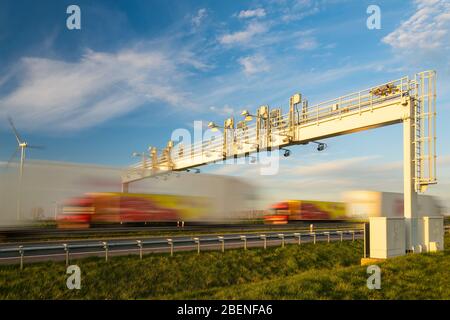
[19, 140]
[12, 157]
[35, 147]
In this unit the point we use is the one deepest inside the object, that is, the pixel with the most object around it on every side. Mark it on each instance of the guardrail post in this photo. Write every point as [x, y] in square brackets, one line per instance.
[314, 237]
[311, 228]
[244, 238]
[281, 236]
[139, 244]
[263, 237]
[299, 236]
[170, 242]
[342, 234]
[105, 246]
[328, 236]
[222, 240]
[21, 252]
[353, 235]
[197, 241]
[66, 250]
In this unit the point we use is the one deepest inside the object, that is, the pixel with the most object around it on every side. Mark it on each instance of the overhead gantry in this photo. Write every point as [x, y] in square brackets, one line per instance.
[411, 101]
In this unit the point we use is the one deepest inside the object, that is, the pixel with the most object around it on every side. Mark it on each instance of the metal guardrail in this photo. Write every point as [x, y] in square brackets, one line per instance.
[105, 246]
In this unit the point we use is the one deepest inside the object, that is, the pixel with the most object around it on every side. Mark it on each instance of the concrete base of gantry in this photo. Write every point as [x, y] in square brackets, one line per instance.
[370, 261]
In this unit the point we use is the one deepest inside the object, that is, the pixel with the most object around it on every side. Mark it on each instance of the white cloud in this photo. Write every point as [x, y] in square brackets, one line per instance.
[56, 94]
[427, 29]
[259, 13]
[226, 110]
[199, 17]
[307, 44]
[299, 9]
[334, 167]
[243, 36]
[254, 64]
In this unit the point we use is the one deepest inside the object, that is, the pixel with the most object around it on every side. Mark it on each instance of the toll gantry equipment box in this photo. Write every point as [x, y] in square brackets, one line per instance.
[431, 234]
[387, 237]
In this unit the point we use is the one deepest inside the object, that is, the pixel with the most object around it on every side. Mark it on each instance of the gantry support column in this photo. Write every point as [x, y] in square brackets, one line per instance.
[410, 194]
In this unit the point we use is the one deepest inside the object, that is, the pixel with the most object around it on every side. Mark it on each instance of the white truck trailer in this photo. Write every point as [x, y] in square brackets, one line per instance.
[363, 204]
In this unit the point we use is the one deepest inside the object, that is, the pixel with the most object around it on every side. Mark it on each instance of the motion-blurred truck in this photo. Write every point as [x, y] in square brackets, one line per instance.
[175, 198]
[357, 205]
[95, 209]
[294, 210]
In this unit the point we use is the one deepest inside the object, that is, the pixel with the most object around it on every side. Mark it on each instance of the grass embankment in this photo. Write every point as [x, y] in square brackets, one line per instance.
[321, 271]
[159, 275]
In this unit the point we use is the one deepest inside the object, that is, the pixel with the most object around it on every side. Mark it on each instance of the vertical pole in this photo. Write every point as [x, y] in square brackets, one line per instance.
[281, 236]
[19, 189]
[197, 241]
[263, 236]
[21, 257]
[105, 246]
[299, 235]
[139, 243]
[66, 249]
[125, 187]
[244, 238]
[170, 242]
[366, 240]
[222, 240]
[410, 195]
[364, 254]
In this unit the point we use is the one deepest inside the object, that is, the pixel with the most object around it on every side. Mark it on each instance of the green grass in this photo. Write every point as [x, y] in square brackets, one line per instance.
[424, 276]
[159, 275]
[321, 271]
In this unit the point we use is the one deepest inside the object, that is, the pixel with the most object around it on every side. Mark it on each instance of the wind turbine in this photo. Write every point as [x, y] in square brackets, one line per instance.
[22, 145]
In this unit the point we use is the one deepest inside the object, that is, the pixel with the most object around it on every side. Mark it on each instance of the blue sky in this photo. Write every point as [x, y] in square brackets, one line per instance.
[137, 70]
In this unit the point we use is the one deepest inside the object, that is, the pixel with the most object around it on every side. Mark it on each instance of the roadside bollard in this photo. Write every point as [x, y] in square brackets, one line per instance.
[105, 246]
[170, 242]
[281, 236]
[311, 228]
[21, 252]
[299, 236]
[244, 238]
[197, 241]
[66, 250]
[263, 237]
[222, 240]
[139, 244]
[328, 236]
